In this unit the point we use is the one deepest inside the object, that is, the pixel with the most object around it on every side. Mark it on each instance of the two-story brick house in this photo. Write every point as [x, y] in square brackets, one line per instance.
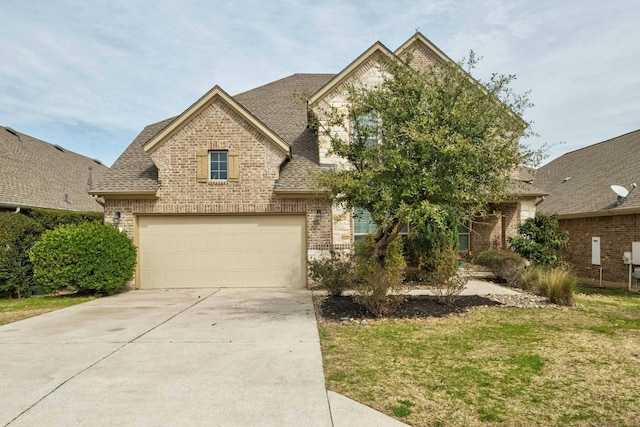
[225, 194]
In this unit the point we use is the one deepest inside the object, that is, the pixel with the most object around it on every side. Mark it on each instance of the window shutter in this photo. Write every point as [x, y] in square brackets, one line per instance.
[234, 165]
[202, 166]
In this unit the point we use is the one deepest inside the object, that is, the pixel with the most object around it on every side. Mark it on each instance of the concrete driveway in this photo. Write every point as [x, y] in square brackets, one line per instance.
[174, 357]
[207, 357]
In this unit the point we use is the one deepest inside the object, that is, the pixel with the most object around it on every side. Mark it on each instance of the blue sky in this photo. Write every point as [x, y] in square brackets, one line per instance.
[90, 75]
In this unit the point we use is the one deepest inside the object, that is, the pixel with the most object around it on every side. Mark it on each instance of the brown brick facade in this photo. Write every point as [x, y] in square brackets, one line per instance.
[616, 234]
[219, 127]
[492, 231]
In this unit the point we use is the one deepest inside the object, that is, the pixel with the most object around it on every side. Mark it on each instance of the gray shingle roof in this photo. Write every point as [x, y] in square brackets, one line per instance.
[133, 171]
[34, 173]
[579, 182]
[280, 105]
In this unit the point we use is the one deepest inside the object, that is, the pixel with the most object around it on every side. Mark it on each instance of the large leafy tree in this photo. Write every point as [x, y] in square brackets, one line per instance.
[424, 145]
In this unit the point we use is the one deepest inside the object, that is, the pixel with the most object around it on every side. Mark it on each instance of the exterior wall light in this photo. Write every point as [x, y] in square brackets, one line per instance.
[318, 215]
[116, 218]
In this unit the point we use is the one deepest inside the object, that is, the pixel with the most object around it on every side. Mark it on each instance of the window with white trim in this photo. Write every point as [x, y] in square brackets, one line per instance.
[218, 165]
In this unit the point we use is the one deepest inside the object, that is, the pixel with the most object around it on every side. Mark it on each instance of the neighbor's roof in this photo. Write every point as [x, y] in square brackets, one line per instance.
[280, 106]
[34, 173]
[579, 182]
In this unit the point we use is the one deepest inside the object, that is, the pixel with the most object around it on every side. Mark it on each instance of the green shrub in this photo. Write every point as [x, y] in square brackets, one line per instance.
[17, 234]
[428, 246]
[379, 289]
[506, 265]
[447, 281]
[88, 257]
[538, 239]
[334, 274]
[52, 218]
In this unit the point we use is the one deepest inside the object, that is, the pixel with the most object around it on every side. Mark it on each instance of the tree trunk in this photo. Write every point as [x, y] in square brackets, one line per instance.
[383, 239]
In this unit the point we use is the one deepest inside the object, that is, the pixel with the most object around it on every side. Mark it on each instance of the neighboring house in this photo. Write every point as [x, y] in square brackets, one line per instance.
[225, 194]
[36, 174]
[601, 225]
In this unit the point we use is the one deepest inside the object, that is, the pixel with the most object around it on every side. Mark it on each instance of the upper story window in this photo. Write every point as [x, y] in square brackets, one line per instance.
[218, 165]
[366, 126]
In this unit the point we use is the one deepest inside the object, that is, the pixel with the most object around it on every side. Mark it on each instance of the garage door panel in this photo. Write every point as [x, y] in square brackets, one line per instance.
[222, 251]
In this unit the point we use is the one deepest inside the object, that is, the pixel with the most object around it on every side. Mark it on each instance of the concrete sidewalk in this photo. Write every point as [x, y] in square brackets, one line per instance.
[214, 357]
[476, 287]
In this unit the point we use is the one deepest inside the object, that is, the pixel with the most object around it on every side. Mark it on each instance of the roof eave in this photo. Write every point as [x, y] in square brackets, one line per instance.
[300, 193]
[604, 212]
[139, 194]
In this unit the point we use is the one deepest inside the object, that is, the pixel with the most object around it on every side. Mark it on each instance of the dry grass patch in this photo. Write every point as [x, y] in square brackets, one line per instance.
[578, 366]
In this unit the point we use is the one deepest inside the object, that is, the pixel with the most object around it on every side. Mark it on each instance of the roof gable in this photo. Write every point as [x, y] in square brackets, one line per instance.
[213, 95]
[419, 42]
[377, 49]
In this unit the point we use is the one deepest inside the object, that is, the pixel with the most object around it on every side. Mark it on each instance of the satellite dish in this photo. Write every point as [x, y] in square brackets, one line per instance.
[620, 191]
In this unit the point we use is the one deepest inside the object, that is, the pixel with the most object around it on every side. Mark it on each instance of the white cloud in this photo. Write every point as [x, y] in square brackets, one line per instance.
[90, 75]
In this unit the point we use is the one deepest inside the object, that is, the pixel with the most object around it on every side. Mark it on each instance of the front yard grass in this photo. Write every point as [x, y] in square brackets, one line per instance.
[12, 310]
[495, 366]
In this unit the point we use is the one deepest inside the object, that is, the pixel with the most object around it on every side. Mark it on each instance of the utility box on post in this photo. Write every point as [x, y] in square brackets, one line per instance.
[635, 253]
[595, 250]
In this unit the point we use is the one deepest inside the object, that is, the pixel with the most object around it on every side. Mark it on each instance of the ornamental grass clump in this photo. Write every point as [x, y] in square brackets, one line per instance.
[559, 285]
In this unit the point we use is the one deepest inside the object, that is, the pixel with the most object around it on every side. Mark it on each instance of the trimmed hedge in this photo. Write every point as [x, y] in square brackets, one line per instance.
[17, 234]
[89, 257]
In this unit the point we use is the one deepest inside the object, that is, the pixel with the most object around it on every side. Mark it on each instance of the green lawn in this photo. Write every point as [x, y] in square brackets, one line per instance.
[496, 366]
[12, 310]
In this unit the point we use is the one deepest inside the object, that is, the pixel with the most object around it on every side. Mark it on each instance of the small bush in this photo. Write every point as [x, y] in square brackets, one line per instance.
[17, 234]
[379, 289]
[334, 274]
[89, 257]
[504, 264]
[448, 291]
[447, 280]
[445, 267]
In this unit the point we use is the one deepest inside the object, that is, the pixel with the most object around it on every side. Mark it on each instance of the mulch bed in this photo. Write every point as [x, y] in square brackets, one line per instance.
[414, 307]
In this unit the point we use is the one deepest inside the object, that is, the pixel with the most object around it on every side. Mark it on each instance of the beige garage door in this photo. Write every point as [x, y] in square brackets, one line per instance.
[222, 251]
